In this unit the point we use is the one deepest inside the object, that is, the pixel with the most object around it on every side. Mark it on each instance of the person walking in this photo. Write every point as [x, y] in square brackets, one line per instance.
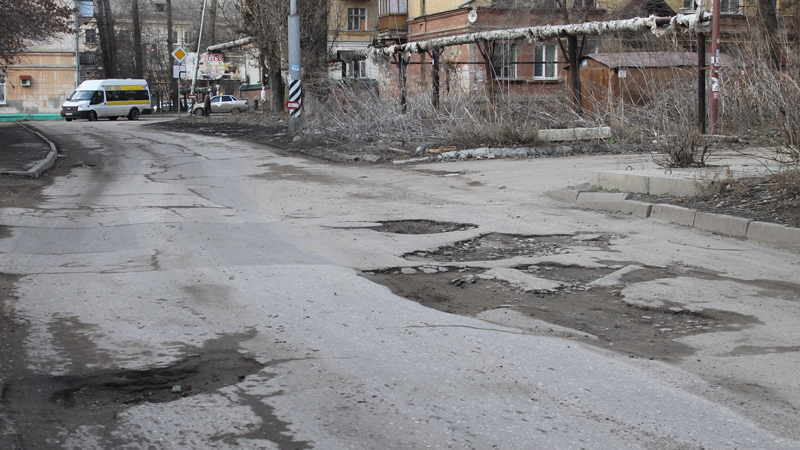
[207, 104]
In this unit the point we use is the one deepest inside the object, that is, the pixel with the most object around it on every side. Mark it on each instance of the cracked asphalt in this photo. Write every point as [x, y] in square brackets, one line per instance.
[168, 290]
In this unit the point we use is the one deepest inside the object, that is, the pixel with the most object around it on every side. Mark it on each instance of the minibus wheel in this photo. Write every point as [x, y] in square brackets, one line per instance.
[134, 114]
[92, 116]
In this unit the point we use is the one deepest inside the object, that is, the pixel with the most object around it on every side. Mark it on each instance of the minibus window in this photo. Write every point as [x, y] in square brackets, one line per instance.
[97, 98]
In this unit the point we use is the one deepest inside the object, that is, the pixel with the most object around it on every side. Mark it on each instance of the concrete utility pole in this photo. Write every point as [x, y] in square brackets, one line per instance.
[77, 45]
[197, 52]
[295, 92]
[715, 18]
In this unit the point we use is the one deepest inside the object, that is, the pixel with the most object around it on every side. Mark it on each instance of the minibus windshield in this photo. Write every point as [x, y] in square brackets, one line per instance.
[81, 95]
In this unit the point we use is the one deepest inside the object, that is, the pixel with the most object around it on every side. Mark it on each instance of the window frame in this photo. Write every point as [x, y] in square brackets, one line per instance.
[90, 36]
[3, 92]
[505, 68]
[360, 73]
[541, 54]
[359, 14]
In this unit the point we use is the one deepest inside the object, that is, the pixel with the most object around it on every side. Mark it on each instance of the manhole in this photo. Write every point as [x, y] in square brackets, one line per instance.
[495, 246]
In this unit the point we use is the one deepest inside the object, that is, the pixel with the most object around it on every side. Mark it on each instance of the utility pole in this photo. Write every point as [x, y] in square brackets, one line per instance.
[199, 41]
[715, 18]
[295, 91]
[77, 46]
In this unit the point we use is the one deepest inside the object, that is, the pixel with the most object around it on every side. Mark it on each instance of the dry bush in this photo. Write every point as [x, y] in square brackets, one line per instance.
[354, 114]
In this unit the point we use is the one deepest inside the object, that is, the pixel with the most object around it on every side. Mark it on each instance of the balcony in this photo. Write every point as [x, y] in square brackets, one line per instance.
[392, 16]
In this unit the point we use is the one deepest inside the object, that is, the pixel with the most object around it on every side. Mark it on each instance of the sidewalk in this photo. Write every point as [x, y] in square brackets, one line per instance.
[24, 151]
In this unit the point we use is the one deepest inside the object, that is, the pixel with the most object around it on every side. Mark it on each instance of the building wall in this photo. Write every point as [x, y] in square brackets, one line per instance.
[53, 80]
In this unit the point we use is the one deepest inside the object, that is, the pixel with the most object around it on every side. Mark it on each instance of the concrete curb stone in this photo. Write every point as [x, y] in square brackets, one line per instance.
[37, 170]
[674, 214]
[774, 234]
[720, 223]
[617, 202]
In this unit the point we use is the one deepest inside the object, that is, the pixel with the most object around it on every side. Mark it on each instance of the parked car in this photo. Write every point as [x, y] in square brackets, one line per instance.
[222, 104]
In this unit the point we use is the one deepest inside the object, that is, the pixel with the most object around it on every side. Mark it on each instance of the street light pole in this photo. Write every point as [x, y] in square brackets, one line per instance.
[295, 91]
[199, 41]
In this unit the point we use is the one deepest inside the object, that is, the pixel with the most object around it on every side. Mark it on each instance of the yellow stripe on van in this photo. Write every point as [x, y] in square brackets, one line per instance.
[129, 102]
[132, 87]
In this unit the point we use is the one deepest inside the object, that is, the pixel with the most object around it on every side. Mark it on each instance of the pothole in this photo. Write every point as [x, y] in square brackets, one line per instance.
[409, 226]
[495, 246]
[421, 227]
[551, 298]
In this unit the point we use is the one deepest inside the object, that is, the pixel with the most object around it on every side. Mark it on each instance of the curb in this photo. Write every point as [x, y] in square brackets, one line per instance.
[776, 235]
[40, 167]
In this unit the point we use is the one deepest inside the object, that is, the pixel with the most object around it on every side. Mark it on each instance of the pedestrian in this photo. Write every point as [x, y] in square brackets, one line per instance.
[263, 95]
[207, 104]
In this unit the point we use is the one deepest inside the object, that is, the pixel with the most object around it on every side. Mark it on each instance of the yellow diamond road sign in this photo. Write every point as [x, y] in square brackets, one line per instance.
[179, 54]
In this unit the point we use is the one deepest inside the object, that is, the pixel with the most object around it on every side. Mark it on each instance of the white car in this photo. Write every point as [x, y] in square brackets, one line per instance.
[222, 104]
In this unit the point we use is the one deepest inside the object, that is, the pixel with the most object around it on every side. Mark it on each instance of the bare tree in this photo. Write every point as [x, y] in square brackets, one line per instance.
[24, 22]
[768, 21]
[138, 67]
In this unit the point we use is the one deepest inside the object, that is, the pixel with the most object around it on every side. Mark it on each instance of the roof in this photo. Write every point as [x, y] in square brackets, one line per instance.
[646, 59]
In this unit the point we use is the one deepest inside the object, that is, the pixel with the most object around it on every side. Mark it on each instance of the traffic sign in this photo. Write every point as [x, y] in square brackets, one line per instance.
[292, 105]
[179, 54]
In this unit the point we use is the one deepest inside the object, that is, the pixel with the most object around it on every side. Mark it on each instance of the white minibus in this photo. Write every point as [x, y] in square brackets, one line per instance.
[108, 98]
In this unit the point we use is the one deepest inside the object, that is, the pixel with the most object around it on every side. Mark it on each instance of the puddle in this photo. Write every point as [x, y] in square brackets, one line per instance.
[496, 246]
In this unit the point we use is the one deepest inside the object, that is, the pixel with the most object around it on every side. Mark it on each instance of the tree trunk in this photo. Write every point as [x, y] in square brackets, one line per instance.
[486, 48]
[111, 72]
[275, 85]
[102, 34]
[575, 95]
[768, 15]
[138, 67]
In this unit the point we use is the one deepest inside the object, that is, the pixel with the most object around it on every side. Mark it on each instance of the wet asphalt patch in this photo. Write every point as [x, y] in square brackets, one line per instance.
[33, 402]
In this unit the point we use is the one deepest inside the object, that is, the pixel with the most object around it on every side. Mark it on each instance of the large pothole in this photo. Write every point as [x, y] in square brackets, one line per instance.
[495, 246]
[563, 297]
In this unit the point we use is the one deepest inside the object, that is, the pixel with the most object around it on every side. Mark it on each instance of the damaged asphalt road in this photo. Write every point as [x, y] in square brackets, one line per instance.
[169, 290]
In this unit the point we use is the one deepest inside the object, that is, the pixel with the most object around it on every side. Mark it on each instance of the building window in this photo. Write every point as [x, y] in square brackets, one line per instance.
[160, 7]
[504, 60]
[357, 69]
[546, 62]
[2, 92]
[729, 6]
[356, 18]
[90, 36]
[87, 58]
[583, 3]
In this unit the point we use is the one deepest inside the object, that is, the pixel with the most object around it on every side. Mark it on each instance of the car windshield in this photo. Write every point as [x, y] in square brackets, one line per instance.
[81, 95]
